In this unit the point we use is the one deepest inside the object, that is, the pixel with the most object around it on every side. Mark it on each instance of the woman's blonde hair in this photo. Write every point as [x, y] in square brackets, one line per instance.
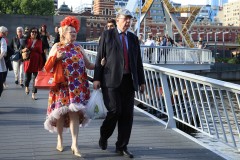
[62, 31]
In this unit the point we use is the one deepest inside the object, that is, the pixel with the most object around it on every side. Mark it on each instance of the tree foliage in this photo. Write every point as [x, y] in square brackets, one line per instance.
[27, 7]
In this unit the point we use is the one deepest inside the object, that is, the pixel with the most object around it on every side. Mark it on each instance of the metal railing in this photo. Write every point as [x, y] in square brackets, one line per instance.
[175, 55]
[207, 105]
[167, 55]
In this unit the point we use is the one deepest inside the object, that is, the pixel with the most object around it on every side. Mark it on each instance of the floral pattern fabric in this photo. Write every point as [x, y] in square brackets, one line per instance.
[73, 94]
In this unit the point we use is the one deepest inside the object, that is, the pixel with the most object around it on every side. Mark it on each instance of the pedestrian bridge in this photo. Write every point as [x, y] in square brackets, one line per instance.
[178, 58]
[210, 107]
[207, 106]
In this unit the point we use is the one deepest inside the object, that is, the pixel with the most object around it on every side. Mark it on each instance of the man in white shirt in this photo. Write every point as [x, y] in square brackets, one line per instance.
[3, 52]
[149, 50]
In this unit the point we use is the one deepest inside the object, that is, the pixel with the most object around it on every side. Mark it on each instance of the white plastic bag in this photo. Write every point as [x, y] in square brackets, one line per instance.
[95, 105]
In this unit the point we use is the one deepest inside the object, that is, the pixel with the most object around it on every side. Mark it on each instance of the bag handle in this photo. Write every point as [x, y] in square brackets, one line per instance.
[33, 43]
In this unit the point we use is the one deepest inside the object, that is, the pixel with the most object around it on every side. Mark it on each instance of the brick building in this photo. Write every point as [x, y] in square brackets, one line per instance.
[104, 10]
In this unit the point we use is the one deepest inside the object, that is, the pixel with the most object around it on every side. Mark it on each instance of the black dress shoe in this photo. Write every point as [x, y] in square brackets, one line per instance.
[103, 144]
[16, 82]
[125, 153]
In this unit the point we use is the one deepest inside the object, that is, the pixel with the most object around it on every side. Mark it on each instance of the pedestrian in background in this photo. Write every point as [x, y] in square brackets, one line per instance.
[7, 58]
[3, 52]
[26, 30]
[57, 35]
[34, 62]
[45, 37]
[111, 23]
[119, 78]
[17, 44]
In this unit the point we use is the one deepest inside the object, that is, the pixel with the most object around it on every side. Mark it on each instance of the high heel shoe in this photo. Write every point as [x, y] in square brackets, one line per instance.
[26, 90]
[33, 97]
[76, 152]
[59, 148]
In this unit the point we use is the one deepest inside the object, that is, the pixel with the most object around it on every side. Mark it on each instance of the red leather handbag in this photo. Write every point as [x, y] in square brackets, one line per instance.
[45, 80]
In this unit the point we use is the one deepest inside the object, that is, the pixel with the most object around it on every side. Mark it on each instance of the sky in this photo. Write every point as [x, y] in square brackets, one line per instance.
[75, 3]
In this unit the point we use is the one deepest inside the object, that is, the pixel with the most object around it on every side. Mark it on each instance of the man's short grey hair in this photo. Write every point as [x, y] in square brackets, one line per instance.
[3, 29]
[19, 29]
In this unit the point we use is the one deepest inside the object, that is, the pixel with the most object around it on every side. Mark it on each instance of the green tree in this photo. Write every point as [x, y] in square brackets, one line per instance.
[27, 7]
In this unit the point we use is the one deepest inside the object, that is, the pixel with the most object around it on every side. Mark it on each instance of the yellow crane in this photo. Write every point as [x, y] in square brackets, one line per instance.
[183, 29]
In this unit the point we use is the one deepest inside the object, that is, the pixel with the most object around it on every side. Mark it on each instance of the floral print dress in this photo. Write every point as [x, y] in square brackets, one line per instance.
[73, 94]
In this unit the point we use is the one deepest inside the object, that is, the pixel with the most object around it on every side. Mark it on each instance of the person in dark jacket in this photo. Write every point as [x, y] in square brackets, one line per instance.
[57, 35]
[16, 45]
[119, 78]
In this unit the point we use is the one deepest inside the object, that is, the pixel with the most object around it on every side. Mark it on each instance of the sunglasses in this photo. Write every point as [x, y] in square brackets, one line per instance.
[34, 32]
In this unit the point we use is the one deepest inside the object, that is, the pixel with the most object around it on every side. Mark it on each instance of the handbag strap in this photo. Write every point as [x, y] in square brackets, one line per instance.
[15, 45]
[33, 43]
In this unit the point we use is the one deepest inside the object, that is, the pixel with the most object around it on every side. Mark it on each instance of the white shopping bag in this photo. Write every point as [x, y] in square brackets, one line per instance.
[95, 105]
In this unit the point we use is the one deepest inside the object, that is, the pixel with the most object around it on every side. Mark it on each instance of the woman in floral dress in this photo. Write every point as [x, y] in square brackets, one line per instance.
[66, 104]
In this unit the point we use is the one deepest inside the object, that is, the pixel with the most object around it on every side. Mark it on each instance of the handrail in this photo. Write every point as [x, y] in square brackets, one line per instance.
[167, 55]
[207, 105]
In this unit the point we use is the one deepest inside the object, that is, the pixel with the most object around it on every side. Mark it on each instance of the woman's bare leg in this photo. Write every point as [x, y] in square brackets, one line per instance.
[74, 128]
[60, 123]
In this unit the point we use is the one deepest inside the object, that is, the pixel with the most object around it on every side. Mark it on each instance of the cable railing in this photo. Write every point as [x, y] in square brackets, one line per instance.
[206, 105]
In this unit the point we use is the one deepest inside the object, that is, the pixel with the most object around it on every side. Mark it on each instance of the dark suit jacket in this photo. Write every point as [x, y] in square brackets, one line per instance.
[110, 47]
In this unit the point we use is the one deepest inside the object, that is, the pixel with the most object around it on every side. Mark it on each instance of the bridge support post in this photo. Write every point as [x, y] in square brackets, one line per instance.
[167, 99]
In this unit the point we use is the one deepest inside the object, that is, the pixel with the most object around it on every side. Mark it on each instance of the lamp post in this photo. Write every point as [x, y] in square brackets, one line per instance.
[139, 17]
[216, 43]
[207, 36]
[224, 43]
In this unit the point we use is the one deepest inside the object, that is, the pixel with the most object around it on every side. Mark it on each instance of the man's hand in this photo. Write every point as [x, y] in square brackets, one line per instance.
[96, 85]
[142, 88]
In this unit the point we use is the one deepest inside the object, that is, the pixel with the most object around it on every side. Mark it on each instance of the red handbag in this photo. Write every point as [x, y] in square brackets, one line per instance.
[44, 80]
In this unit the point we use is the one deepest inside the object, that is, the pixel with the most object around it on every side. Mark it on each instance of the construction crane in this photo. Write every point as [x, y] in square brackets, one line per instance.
[170, 17]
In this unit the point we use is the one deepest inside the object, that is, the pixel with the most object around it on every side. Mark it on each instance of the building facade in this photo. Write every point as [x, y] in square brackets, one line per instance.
[231, 12]
[96, 24]
[103, 7]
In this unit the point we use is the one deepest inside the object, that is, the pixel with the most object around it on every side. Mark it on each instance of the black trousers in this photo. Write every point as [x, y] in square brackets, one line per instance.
[1, 82]
[120, 104]
[28, 77]
[5, 76]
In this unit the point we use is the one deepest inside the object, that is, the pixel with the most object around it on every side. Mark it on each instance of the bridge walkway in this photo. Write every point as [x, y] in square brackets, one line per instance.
[23, 137]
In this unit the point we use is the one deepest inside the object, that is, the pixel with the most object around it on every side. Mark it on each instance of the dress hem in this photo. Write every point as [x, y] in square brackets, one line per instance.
[57, 113]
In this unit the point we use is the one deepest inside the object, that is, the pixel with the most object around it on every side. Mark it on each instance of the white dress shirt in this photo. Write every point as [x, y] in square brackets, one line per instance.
[3, 52]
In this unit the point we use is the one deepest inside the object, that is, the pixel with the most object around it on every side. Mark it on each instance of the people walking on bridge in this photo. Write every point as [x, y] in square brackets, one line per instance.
[17, 44]
[7, 58]
[32, 59]
[26, 30]
[3, 52]
[67, 103]
[45, 37]
[149, 51]
[119, 78]
[200, 45]
[57, 35]
[111, 23]
[141, 39]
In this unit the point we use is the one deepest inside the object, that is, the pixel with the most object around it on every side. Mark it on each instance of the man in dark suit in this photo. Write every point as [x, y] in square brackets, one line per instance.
[119, 76]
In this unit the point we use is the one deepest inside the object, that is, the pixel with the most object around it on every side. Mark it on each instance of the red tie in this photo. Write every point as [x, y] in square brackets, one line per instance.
[125, 52]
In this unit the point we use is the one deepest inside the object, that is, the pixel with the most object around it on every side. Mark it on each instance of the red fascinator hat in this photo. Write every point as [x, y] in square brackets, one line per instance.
[71, 21]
